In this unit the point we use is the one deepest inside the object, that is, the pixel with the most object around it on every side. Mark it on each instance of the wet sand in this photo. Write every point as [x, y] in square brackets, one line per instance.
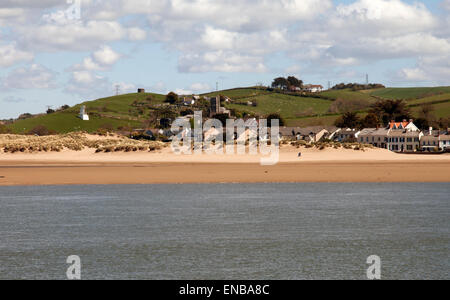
[164, 173]
[163, 167]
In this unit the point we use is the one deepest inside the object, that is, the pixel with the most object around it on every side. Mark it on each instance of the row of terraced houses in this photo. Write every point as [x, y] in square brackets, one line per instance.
[398, 136]
[405, 137]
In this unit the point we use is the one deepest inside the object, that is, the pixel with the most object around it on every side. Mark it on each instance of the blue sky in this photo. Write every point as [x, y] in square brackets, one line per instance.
[52, 56]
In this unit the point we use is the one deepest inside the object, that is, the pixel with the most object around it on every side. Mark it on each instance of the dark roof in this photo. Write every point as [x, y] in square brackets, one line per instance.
[287, 131]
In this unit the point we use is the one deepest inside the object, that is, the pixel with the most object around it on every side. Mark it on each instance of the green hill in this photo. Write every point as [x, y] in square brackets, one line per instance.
[321, 109]
[115, 112]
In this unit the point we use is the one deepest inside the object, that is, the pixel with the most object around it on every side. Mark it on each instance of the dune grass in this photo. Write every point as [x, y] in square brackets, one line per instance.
[76, 141]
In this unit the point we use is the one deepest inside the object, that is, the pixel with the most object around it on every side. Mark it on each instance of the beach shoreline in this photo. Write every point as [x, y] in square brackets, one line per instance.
[164, 167]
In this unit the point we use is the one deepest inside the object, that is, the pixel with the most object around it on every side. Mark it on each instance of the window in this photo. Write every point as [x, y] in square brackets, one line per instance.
[409, 147]
[410, 140]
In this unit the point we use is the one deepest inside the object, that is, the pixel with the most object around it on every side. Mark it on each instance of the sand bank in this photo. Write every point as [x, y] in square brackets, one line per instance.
[330, 165]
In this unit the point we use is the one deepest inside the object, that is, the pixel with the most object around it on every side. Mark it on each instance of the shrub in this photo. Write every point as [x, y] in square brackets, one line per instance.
[41, 130]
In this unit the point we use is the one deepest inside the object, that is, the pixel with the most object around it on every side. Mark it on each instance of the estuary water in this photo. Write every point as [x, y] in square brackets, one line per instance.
[226, 231]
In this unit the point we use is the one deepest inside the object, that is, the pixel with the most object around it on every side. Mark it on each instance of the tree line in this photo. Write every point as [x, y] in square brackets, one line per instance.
[358, 86]
[287, 83]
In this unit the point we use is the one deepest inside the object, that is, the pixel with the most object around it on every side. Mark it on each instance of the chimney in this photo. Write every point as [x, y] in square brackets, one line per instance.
[411, 121]
[431, 131]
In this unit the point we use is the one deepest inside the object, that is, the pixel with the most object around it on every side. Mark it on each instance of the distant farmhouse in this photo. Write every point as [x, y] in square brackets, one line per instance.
[313, 88]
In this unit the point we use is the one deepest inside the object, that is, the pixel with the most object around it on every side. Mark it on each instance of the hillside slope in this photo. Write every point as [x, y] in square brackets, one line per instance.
[323, 109]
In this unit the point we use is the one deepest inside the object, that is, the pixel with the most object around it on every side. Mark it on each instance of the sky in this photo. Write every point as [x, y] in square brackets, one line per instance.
[56, 52]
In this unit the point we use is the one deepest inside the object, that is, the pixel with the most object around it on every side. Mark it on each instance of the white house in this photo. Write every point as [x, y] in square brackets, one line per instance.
[313, 88]
[83, 115]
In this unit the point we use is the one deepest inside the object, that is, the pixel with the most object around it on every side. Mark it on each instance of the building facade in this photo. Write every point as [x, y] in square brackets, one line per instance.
[397, 137]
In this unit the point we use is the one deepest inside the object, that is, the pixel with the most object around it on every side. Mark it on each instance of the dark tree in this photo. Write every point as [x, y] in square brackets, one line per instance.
[171, 98]
[50, 111]
[275, 116]
[422, 123]
[166, 112]
[348, 120]
[25, 116]
[370, 121]
[165, 122]
[293, 81]
[280, 83]
[427, 112]
[186, 112]
[390, 110]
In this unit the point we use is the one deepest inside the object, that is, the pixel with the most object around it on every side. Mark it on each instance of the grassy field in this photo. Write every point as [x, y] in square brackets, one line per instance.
[441, 110]
[288, 107]
[111, 109]
[410, 93]
[349, 95]
[63, 122]
[240, 93]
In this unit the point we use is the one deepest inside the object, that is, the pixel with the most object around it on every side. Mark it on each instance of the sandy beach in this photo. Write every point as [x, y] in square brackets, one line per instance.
[163, 167]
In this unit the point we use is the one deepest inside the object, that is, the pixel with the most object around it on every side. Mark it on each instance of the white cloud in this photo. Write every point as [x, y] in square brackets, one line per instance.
[102, 59]
[241, 35]
[106, 56]
[88, 84]
[30, 3]
[200, 87]
[435, 69]
[446, 4]
[76, 36]
[183, 92]
[10, 55]
[34, 76]
[221, 61]
[6, 13]
[136, 34]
